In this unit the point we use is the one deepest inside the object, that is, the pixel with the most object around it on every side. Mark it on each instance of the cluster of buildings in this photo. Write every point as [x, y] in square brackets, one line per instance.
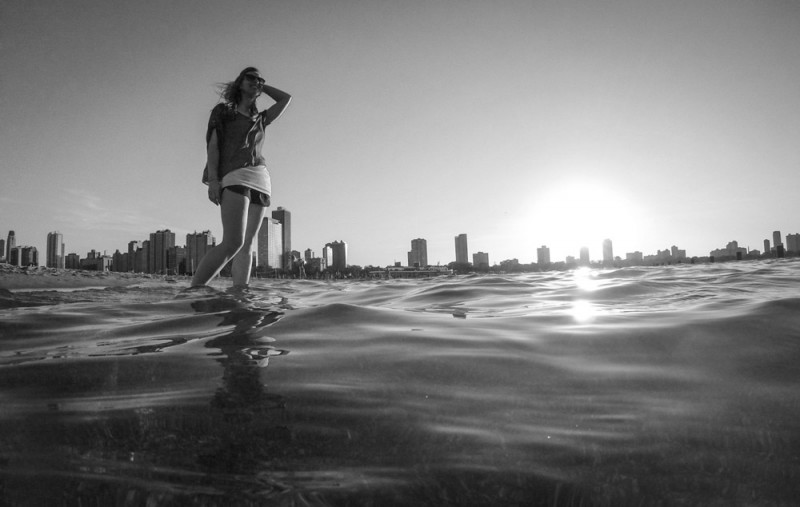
[273, 254]
[417, 256]
[159, 254]
[17, 255]
[777, 248]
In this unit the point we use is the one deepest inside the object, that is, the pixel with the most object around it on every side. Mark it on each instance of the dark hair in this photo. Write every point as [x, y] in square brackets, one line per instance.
[230, 92]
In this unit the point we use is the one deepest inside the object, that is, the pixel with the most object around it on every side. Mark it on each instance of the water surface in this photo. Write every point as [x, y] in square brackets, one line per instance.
[671, 385]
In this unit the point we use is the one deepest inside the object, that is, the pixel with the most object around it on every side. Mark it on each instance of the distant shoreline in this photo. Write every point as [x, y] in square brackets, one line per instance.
[13, 278]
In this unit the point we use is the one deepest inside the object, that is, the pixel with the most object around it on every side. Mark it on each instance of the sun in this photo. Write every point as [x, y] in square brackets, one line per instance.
[581, 212]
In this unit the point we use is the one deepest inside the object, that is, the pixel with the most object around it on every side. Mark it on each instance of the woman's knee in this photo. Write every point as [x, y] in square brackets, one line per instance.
[232, 244]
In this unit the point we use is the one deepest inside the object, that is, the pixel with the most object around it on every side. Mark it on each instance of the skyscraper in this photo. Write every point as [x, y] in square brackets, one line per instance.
[29, 256]
[270, 245]
[418, 255]
[11, 242]
[584, 257]
[285, 218]
[608, 252]
[160, 243]
[543, 256]
[72, 261]
[197, 245]
[776, 239]
[480, 260]
[339, 251]
[327, 255]
[132, 247]
[55, 250]
[2, 249]
[766, 246]
[793, 243]
[462, 252]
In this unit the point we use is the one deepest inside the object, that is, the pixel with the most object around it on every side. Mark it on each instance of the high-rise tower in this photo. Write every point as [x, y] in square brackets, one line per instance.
[11, 243]
[339, 251]
[776, 239]
[160, 243]
[608, 252]
[584, 257]
[462, 252]
[197, 245]
[543, 256]
[418, 255]
[55, 250]
[283, 216]
[270, 245]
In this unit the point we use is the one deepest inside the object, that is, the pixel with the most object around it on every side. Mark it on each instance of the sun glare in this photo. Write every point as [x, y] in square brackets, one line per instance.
[581, 213]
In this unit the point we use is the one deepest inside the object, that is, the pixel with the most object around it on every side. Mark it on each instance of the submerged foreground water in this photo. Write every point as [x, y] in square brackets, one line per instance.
[640, 386]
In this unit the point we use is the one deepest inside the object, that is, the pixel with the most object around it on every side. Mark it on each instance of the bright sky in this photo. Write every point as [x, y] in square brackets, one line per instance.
[520, 123]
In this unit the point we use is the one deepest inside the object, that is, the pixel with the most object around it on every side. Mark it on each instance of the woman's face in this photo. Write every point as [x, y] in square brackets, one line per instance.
[250, 83]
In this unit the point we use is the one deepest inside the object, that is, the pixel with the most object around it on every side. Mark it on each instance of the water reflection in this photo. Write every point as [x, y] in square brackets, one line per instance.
[247, 418]
[586, 279]
[583, 312]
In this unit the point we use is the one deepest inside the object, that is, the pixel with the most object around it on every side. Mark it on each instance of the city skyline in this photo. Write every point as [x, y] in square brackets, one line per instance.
[521, 123]
[541, 256]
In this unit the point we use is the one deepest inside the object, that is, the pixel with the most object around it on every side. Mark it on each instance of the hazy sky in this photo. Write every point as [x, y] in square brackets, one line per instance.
[653, 123]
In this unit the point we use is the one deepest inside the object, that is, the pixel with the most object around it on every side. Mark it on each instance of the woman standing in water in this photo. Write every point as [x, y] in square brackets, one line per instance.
[237, 177]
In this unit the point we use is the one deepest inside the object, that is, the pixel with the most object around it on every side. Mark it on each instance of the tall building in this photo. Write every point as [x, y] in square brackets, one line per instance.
[462, 255]
[132, 247]
[29, 256]
[72, 261]
[55, 250]
[793, 243]
[776, 239]
[308, 255]
[766, 246]
[418, 256]
[480, 260]
[634, 257]
[118, 262]
[339, 253]
[177, 260]
[2, 249]
[584, 257]
[327, 256]
[160, 243]
[11, 242]
[197, 245]
[608, 252]
[285, 218]
[543, 256]
[143, 257]
[15, 256]
[677, 253]
[270, 245]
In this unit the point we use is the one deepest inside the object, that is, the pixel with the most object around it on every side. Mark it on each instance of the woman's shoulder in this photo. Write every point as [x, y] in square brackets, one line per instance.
[223, 111]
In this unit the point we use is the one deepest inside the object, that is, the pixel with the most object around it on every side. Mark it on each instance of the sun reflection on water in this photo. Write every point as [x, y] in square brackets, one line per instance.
[586, 279]
[583, 311]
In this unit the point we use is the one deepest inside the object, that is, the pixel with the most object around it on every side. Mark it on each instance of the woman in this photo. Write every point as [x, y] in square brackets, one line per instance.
[237, 177]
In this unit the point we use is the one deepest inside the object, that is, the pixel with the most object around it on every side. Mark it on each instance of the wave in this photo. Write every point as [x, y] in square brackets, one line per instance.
[661, 385]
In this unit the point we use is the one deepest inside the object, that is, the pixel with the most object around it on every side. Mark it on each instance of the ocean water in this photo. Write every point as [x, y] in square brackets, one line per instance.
[675, 385]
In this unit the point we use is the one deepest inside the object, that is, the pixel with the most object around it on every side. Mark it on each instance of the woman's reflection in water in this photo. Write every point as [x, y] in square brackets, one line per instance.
[248, 422]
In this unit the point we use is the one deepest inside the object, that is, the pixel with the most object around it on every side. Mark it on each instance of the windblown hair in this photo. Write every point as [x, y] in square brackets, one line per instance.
[230, 92]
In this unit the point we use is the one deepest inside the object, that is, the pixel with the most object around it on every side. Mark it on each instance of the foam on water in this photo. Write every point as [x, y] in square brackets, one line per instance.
[665, 385]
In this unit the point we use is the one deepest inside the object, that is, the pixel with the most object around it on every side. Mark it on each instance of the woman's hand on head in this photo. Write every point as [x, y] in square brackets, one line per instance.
[215, 191]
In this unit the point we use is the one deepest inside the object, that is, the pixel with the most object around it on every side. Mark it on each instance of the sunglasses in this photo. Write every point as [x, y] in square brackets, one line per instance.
[253, 77]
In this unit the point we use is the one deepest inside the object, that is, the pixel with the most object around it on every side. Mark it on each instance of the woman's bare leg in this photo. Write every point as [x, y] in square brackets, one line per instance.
[234, 210]
[243, 262]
